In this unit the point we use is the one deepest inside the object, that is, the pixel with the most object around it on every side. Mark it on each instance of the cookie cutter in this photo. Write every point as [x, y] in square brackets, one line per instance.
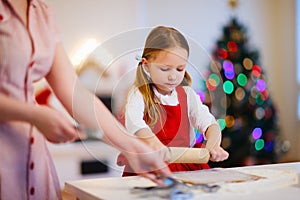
[174, 189]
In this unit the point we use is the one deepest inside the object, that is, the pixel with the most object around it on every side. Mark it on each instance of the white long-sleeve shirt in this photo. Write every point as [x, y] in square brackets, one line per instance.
[198, 113]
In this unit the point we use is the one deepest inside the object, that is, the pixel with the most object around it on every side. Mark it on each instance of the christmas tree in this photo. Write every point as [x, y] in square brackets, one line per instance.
[245, 111]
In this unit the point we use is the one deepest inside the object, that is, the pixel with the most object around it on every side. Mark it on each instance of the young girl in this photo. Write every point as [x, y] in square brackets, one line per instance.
[162, 109]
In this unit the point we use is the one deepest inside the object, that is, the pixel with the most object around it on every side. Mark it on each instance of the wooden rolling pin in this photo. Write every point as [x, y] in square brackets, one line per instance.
[189, 155]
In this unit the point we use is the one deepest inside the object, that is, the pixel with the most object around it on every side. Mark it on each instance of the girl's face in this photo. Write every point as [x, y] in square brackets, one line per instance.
[167, 69]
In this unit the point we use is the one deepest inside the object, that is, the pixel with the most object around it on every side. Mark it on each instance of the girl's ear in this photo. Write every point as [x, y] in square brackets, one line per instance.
[144, 61]
[145, 64]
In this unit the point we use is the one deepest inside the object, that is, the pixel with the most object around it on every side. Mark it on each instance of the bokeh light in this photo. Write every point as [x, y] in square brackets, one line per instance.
[264, 95]
[228, 87]
[232, 46]
[268, 113]
[256, 133]
[259, 144]
[221, 123]
[256, 70]
[228, 66]
[254, 92]
[242, 79]
[201, 95]
[228, 69]
[215, 80]
[215, 66]
[238, 123]
[259, 113]
[229, 120]
[199, 136]
[229, 74]
[239, 93]
[269, 146]
[211, 84]
[259, 99]
[222, 53]
[261, 85]
[247, 63]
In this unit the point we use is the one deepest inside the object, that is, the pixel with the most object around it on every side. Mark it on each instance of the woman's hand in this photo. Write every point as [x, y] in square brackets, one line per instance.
[149, 163]
[54, 125]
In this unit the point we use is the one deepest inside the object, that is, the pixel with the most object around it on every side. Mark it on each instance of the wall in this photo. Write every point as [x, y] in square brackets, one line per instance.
[270, 23]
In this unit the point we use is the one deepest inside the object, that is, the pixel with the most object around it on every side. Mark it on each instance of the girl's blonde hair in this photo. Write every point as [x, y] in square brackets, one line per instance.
[159, 39]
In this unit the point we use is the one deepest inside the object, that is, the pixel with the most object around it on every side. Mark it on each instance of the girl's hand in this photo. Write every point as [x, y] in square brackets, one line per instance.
[218, 154]
[54, 125]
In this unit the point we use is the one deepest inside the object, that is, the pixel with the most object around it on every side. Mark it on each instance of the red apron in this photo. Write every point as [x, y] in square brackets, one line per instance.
[173, 131]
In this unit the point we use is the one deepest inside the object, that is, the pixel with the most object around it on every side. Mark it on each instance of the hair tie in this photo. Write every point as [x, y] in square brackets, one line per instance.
[138, 58]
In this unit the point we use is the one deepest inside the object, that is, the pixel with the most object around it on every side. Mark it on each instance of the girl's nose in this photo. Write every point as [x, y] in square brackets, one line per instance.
[172, 76]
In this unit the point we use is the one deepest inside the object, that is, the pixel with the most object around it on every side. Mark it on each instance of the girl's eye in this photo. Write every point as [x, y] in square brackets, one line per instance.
[164, 69]
[180, 69]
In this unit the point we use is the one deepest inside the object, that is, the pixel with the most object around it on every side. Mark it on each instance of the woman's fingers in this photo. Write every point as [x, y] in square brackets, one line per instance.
[153, 178]
[158, 176]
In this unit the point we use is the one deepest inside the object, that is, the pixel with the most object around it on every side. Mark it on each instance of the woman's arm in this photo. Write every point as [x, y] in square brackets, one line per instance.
[148, 137]
[55, 127]
[82, 105]
[14, 110]
[87, 109]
